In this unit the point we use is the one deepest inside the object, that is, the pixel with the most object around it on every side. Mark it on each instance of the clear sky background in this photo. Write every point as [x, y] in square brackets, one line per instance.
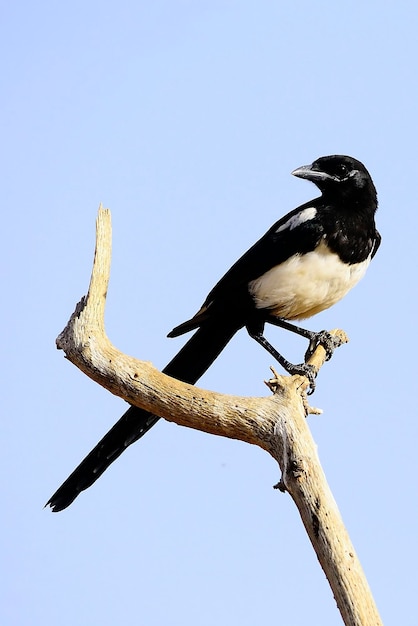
[185, 118]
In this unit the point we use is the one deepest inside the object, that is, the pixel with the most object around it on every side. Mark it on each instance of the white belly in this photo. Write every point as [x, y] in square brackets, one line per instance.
[306, 284]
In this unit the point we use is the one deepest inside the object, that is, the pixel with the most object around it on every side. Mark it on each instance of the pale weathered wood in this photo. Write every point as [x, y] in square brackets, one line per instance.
[276, 424]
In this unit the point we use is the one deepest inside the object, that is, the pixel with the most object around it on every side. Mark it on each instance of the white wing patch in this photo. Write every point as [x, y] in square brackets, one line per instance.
[299, 218]
[306, 284]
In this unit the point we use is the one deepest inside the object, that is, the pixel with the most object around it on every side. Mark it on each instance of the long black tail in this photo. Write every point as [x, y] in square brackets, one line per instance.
[188, 366]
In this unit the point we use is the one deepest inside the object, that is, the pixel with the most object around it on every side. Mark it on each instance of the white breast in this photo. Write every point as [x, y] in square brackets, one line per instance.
[306, 284]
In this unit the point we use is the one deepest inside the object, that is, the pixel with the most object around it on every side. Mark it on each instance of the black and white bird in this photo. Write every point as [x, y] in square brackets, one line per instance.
[305, 263]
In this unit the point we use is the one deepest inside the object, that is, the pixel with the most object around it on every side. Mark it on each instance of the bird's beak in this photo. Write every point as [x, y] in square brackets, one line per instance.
[316, 176]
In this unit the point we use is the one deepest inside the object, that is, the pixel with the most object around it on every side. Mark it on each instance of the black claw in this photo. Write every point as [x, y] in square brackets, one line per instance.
[304, 369]
[326, 340]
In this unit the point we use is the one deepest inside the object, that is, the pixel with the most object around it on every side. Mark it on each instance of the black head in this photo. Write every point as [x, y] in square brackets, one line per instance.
[340, 176]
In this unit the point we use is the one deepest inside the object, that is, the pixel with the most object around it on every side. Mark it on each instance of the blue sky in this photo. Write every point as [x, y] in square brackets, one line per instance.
[186, 119]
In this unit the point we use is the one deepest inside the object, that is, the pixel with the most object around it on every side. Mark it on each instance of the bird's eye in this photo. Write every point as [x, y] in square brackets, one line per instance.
[342, 170]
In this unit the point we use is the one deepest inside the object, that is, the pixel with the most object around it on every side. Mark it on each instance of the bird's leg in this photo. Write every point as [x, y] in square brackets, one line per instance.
[322, 338]
[304, 369]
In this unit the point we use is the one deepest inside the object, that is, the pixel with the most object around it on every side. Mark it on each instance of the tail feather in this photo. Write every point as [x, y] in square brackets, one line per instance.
[188, 366]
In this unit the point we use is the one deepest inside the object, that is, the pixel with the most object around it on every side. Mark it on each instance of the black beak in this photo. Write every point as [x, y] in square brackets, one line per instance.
[316, 176]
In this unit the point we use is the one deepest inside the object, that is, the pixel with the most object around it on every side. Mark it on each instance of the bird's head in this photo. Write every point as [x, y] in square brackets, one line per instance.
[340, 177]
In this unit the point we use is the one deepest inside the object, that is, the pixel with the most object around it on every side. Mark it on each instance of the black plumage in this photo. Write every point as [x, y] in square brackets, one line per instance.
[306, 262]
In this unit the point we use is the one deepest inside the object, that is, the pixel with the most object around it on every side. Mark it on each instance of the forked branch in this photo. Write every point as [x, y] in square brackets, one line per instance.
[276, 424]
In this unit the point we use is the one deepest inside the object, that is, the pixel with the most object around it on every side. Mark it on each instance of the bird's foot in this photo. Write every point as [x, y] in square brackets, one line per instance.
[307, 370]
[326, 340]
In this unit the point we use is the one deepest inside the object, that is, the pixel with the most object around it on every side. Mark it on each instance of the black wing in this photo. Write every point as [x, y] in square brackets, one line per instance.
[284, 239]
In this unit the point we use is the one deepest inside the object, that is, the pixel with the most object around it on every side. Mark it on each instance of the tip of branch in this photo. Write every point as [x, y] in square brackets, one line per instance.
[277, 382]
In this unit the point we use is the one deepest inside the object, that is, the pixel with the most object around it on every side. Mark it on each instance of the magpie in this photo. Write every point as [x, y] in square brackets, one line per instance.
[305, 263]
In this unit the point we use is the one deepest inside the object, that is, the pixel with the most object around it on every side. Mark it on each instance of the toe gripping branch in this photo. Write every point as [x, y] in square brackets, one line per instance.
[325, 339]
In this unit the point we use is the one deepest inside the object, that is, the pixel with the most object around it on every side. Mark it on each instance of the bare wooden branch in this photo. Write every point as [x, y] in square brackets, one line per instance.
[276, 424]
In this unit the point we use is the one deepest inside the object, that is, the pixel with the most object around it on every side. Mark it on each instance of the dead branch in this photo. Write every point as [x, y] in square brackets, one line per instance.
[276, 424]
